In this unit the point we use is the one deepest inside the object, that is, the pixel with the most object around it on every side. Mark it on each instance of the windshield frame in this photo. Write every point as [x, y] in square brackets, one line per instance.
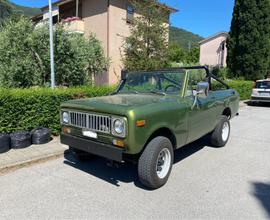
[171, 70]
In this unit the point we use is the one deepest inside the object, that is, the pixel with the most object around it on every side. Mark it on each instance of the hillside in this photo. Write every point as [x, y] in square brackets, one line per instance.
[27, 11]
[183, 37]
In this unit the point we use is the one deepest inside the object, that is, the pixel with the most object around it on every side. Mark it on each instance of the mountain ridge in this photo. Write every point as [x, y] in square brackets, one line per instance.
[27, 11]
[184, 38]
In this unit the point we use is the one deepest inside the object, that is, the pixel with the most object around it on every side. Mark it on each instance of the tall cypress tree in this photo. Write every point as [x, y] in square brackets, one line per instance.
[249, 39]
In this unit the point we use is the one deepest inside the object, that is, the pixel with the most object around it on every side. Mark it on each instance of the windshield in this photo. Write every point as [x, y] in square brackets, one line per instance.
[263, 85]
[153, 82]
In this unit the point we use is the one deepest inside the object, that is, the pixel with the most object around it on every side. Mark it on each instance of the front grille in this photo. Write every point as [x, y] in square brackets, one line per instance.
[92, 122]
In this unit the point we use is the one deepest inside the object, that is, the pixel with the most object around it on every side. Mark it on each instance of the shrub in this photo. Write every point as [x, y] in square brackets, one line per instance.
[221, 73]
[244, 88]
[25, 109]
[25, 57]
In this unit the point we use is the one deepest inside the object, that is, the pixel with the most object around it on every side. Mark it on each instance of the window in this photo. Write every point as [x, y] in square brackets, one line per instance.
[223, 46]
[263, 85]
[195, 76]
[130, 13]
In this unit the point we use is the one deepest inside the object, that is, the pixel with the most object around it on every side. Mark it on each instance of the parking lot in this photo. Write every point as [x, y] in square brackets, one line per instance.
[206, 183]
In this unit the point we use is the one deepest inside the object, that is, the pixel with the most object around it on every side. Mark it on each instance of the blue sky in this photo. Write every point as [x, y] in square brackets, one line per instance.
[201, 17]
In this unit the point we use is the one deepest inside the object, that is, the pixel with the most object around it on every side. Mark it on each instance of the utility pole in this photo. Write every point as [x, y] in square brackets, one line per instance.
[51, 45]
[77, 8]
[189, 46]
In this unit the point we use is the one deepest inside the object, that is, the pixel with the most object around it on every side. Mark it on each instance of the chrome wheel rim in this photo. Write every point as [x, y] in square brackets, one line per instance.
[225, 131]
[163, 163]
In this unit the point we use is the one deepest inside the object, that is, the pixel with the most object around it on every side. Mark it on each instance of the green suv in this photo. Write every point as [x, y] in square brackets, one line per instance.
[149, 116]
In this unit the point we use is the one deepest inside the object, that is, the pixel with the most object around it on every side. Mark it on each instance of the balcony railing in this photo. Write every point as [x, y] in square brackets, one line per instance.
[74, 25]
[70, 24]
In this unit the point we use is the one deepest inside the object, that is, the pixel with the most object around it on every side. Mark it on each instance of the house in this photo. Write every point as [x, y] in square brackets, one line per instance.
[213, 50]
[109, 20]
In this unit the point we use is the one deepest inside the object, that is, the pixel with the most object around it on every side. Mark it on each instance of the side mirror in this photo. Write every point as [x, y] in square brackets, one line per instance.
[202, 89]
[201, 92]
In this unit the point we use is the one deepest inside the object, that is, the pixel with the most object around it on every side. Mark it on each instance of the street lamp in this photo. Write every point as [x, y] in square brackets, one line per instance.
[51, 45]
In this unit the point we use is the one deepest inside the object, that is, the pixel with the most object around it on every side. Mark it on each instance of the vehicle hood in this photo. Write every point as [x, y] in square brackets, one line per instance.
[115, 104]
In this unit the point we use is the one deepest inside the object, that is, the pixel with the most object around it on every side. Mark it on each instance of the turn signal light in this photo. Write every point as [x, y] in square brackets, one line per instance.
[66, 130]
[140, 123]
[119, 143]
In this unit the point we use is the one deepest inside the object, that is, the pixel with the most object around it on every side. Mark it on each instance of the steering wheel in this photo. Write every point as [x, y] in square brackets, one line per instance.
[174, 88]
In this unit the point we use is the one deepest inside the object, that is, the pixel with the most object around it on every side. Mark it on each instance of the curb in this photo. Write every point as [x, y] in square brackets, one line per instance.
[29, 162]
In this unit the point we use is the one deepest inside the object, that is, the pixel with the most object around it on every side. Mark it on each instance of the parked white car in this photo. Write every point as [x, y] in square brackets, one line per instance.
[261, 91]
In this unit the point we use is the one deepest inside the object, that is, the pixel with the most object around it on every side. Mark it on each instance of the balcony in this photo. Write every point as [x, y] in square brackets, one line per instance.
[74, 25]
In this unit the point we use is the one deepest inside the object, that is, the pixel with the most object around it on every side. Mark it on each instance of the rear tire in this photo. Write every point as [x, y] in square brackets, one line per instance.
[155, 163]
[221, 134]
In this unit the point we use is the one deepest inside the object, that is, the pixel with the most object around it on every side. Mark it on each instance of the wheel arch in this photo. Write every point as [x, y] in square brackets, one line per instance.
[227, 112]
[165, 132]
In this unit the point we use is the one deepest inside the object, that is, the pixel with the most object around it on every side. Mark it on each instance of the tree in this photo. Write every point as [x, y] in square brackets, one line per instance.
[147, 46]
[25, 57]
[6, 10]
[193, 56]
[249, 39]
[176, 53]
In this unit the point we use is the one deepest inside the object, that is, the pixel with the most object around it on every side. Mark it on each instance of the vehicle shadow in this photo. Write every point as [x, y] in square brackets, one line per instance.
[262, 192]
[126, 172]
[186, 151]
[258, 104]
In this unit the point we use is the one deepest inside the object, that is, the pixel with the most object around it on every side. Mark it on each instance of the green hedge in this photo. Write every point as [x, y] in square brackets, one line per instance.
[244, 88]
[25, 109]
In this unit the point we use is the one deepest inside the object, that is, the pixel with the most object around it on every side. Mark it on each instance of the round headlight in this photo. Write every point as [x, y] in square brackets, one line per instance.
[65, 117]
[118, 126]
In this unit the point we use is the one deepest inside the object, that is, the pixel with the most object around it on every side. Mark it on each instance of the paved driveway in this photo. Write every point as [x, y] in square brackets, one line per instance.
[206, 183]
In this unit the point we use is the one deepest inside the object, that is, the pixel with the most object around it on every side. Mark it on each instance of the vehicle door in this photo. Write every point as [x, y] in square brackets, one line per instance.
[201, 115]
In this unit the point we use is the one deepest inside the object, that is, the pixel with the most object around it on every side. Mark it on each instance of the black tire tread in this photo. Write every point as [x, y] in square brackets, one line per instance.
[147, 162]
[216, 138]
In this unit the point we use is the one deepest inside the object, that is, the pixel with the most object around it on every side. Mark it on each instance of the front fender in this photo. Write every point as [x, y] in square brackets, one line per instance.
[175, 119]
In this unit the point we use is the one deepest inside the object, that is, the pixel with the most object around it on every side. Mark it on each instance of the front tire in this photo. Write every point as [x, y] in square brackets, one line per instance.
[155, 164]
[221, 134]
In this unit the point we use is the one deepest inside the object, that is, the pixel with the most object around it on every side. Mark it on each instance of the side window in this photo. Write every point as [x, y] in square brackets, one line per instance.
[130, 13]
[194, 77]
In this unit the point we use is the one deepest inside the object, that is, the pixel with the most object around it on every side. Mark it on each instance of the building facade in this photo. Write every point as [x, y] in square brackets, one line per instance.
[109, 20]
[213, 50]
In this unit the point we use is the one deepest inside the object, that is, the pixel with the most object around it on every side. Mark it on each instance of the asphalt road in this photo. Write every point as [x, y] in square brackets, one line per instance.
[206, 183]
